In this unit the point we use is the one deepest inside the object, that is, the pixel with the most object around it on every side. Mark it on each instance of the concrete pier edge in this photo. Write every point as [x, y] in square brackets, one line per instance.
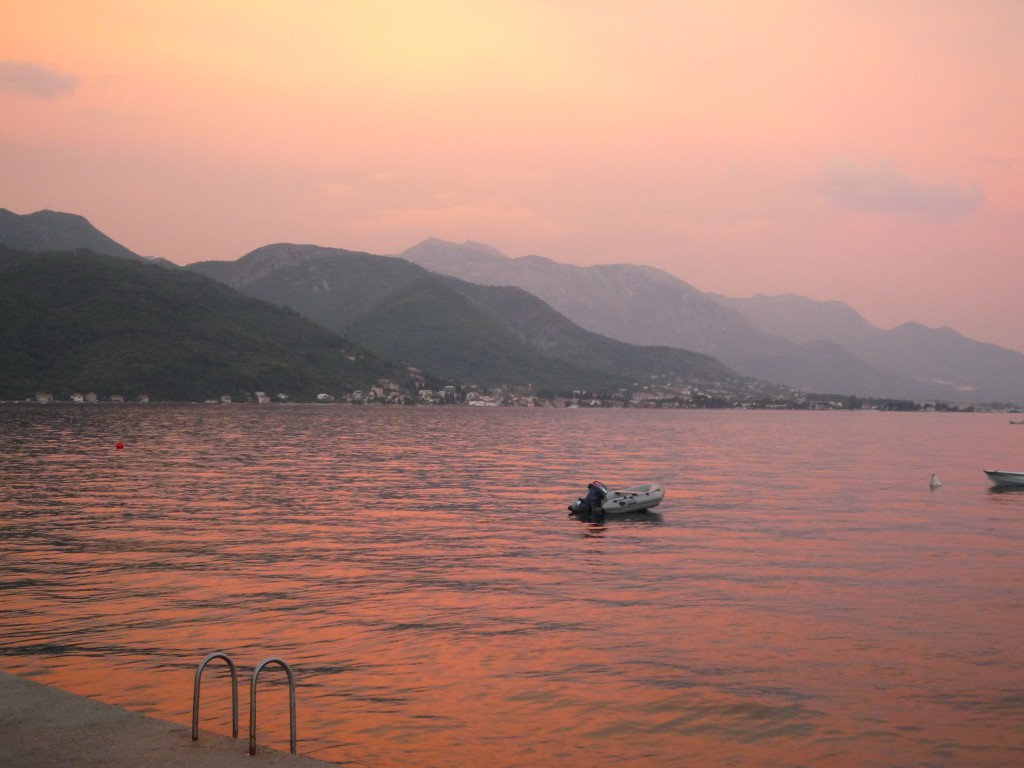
[46, 727]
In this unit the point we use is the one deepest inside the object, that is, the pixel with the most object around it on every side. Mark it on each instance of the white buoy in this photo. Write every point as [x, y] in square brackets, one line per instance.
[934, 482]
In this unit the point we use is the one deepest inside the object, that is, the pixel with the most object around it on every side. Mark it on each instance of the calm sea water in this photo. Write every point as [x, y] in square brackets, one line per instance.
[802, 597]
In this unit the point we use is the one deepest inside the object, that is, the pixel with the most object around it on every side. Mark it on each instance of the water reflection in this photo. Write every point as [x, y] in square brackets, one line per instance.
[1006, 489]
[600, 517]
[417, 570]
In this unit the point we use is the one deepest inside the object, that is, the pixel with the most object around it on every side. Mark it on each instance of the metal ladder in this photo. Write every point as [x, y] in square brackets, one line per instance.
[252, 697]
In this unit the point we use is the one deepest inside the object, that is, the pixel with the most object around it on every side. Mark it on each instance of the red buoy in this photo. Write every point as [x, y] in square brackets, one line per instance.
[120, 445]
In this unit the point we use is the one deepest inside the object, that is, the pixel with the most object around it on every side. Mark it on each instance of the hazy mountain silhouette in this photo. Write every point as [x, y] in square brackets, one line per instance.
[55, 231]
[812, 346]
[934, 356]
[789, 340]
[485, 335]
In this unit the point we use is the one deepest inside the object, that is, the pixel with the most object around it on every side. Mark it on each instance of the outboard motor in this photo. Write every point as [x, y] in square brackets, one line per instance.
[589, 507]
[595, 497]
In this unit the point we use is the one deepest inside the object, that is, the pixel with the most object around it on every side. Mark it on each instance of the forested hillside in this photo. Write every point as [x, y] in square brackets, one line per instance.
[79, 321]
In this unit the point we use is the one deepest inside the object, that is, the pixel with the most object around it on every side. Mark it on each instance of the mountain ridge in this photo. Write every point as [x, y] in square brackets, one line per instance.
[80, 321]
[790, 340]
[48, 230]
[404, 311]
[763, 338]
[939, 356]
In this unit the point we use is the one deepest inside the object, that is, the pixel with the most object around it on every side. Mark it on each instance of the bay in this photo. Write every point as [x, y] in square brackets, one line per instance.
[802, 597]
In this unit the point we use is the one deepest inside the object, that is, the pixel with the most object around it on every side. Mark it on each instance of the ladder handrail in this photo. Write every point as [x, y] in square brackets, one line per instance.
[234, 694]
[252, 702]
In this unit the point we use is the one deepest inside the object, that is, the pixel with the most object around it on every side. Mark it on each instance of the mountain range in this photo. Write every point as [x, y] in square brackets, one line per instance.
[75, 321]
[481, 334]
[469, 312]
[790, 340]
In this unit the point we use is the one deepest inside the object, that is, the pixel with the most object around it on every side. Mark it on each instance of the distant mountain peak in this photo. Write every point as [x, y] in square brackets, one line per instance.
[480, 262]
[435, 243]
[284, 253]
[47, 214]
[453, 258]
[48, 230]
[484, 248]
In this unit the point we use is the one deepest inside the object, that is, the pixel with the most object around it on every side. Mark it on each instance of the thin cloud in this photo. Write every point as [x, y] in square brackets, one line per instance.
[885, 190]
[991, 161]
[32, 79]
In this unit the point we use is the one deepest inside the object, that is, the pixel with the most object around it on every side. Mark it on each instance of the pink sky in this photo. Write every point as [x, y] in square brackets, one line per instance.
[866, 151]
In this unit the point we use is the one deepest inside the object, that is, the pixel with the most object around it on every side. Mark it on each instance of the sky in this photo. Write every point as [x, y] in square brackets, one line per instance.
[863, 151]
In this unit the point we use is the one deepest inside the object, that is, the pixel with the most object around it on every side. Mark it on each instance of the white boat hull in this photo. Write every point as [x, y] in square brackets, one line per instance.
[1005, 478]
[636, 498]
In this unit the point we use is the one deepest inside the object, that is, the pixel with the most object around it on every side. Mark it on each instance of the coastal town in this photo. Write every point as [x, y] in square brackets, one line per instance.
[741, 395]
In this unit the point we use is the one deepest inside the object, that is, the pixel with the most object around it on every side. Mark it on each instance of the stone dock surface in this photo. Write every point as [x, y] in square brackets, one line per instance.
[44, 727]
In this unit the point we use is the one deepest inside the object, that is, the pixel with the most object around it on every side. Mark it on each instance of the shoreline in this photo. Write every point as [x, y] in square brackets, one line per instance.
[46, 727]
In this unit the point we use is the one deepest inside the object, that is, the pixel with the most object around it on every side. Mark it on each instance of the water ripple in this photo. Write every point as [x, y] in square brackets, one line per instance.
[798, 600]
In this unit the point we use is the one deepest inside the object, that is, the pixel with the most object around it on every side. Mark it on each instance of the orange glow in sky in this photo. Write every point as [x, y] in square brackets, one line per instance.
[852, 150]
